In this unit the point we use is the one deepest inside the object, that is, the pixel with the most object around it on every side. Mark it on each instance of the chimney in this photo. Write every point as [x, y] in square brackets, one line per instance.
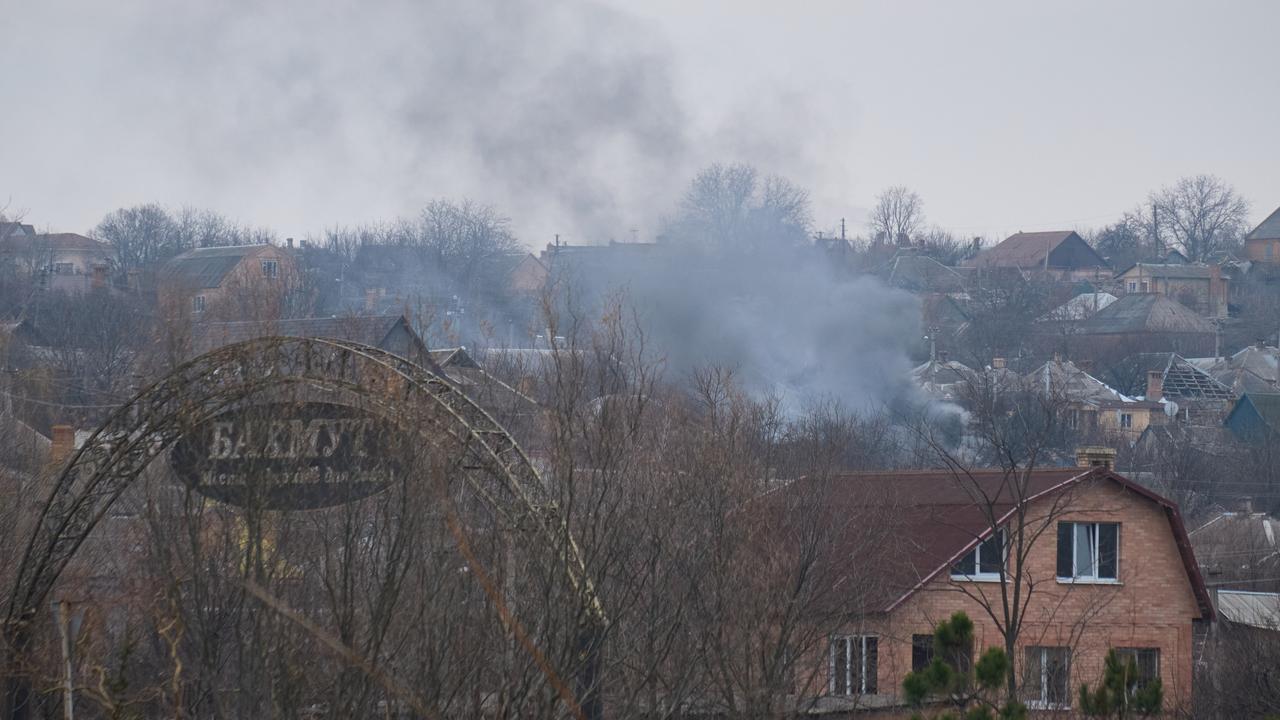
[942, 356]
[64, 443]
[99, 276]
[1155, 385]
[997, 363]
[288, 242]
[370, 299]
[1095, 456]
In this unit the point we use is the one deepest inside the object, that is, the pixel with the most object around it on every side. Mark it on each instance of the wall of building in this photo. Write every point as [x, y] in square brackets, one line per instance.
[1263, 250]
[1152, 605]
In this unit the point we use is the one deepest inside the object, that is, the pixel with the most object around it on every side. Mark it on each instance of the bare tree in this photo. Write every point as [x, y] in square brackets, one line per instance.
[733, 208]
[141, 235]
[898, 215]
[1199, 215]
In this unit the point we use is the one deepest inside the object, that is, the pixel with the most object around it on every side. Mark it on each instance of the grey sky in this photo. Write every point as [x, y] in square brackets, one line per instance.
[587, 119]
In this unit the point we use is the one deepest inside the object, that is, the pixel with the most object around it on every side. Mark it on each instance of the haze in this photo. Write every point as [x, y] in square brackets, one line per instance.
[587, 119]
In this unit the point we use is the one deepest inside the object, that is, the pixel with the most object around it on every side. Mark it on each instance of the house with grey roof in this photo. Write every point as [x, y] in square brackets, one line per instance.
[1255, 368]
[1147, 323]
[1200, 286]
[237, 282]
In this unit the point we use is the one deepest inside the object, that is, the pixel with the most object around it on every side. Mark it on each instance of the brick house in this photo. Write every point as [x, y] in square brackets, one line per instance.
[1200, 287]
[1263, 243]
[1108, 565]
[64, 261]
[239, 282]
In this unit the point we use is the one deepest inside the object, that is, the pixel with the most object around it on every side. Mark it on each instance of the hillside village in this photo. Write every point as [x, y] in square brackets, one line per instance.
[1079, 456]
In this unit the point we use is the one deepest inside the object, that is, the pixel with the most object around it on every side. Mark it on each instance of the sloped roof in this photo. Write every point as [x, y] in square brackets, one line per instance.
[452, 357]
[919, 273]
[1080, 307]
[933, 521]
[1254, 369]
[1063, 377]
[1256, 609]
[1181, 380]
[1177, 271]
[1268, 229]
[1267, 405]
[53, 241]
[370, 330]
[208, 267]
[1145, 313]
[1027, 250]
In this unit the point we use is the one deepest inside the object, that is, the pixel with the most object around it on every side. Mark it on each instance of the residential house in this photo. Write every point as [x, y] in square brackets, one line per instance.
[1255, 368]
[1062, 255]
[1091, 406]
[1196, 395]
[943, 379]
[920, 274]
[392, 333]
[1111, 563]
[1255, 417]
[1262, 245]
[10, 229]
[1081, 307]
[1240, 550]
[238, 282]
[1146, 323]
[1199, 286]
[63, 261]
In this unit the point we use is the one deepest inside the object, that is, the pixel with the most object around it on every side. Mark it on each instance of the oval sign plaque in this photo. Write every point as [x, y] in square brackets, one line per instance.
[289, 456]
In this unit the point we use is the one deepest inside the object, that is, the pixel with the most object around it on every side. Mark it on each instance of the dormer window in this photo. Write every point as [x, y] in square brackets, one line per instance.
[270, 269]
[984, 562]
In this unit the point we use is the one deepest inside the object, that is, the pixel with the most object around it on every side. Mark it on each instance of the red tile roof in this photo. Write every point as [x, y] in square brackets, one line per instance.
[930, 519]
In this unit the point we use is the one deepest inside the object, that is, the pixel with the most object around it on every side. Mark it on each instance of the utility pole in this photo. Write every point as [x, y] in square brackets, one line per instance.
[842, 235]
[1155, 229]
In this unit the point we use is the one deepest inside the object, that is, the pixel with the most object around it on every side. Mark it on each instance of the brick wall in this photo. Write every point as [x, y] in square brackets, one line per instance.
[1152, 604]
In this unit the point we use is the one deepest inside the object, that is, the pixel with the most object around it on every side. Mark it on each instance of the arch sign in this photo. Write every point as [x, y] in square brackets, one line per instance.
[230, 438]
[289, 456]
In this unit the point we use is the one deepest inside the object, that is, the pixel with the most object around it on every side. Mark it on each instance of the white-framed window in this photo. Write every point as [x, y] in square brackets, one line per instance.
[1147, 661]
[270, 268]
[197, 303]
[1133, 286]
[984, 562]
[1126, 420]
[1088, 551]
[64, 268]
[853, 665]
[1047, 676]
[1145, 287]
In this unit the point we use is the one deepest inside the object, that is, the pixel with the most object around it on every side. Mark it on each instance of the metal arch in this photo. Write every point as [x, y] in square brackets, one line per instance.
[157, 416]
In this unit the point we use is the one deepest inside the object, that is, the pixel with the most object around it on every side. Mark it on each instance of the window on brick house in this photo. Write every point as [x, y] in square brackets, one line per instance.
[1088, 551]
[1047, 677]
[270, 268]
[853, 665]
[1147, 660]
[984, 562]
[922, 654]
